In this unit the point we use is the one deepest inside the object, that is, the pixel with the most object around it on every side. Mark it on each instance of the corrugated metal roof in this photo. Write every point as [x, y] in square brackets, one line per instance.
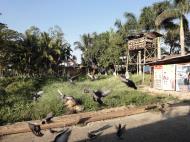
[171, 60]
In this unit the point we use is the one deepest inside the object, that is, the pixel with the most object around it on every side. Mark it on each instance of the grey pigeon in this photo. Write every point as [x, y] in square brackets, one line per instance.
[97, 95]
[36, 129]
[120, 131]
[94, 134]
[37, 95]
[63, 136]
[48, 118]
[128, 82]
[55, 131]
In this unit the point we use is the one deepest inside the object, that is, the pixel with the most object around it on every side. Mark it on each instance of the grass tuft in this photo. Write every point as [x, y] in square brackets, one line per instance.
[16, 100]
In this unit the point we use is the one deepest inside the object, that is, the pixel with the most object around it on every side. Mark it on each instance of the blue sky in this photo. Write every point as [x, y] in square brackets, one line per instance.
[75, 17]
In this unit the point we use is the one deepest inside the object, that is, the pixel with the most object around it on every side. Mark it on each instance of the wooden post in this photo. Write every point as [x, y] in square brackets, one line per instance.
[127, 65]
[144, 63]
[137, 64]
[158, 46]
[127, 61]
[140, 67]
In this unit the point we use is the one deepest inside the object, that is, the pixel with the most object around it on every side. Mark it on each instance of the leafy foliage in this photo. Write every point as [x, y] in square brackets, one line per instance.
[176, 10]
[32, 52]
[102, 49]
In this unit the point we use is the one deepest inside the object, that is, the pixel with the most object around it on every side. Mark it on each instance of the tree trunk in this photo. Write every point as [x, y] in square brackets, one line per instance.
[182, 37]
[158, 46]
[127, 63]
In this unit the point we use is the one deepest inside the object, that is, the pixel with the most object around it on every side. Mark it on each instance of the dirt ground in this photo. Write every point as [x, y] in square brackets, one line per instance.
[172, 126]
[178, 95]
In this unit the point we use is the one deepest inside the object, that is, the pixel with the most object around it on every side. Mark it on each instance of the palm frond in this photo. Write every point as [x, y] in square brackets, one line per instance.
[185, 23]
[170, 13]
[118, 23]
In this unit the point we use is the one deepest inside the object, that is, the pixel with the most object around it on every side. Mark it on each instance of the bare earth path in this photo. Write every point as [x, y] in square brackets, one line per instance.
[179, 95]
[173, 126]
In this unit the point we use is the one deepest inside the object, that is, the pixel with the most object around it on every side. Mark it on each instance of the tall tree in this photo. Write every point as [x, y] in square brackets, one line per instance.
[130, 27]
[146, 23]
[177, 10]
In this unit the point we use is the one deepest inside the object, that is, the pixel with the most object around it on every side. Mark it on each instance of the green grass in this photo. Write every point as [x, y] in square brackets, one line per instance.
[16, 100]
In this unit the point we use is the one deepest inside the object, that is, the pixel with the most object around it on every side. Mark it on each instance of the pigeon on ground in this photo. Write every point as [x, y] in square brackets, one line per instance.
[63, 136]
[120, 131]
[162, 108]
[55, 131]
[36, 129]
[94, 134]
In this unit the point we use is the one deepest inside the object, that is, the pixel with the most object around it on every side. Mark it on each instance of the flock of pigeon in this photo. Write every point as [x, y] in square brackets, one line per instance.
[63, 135]
[74, 106]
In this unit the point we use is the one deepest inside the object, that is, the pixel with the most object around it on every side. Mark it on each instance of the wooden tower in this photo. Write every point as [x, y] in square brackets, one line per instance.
[142, 48]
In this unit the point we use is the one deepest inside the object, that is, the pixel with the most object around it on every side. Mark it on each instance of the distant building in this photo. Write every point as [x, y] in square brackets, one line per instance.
[69, 63]
[171, 73]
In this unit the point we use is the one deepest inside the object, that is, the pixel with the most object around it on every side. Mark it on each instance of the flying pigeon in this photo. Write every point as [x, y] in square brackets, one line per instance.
[36, 129]
[97, 95]
[63, 136]
[128, 82]
[37, 95]
[48, 118]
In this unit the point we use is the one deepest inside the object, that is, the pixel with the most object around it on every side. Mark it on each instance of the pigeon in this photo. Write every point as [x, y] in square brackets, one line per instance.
[36, 129]
[128, 82]
[74, 105]
[66, 98]
[63, 136]
[120, 131]
[94, 134]
[55, 131]
[97, 95]
[37, 95]
[48, 118]
[71, 79]
[92, 77]
[162, 108]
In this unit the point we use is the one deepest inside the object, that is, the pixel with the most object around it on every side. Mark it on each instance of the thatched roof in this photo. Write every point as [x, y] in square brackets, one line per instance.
[152, 35]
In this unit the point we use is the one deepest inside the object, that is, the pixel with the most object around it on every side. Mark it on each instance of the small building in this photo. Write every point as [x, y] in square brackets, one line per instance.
[171, 73]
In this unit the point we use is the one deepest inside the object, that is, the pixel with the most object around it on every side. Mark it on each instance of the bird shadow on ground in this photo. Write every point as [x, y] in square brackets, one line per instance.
[170, 130]
[84, 120]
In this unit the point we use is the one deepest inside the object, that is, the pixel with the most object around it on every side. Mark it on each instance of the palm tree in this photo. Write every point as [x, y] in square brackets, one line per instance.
[130, 27]
[146, 23]
[177, 10]
[84, 44]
